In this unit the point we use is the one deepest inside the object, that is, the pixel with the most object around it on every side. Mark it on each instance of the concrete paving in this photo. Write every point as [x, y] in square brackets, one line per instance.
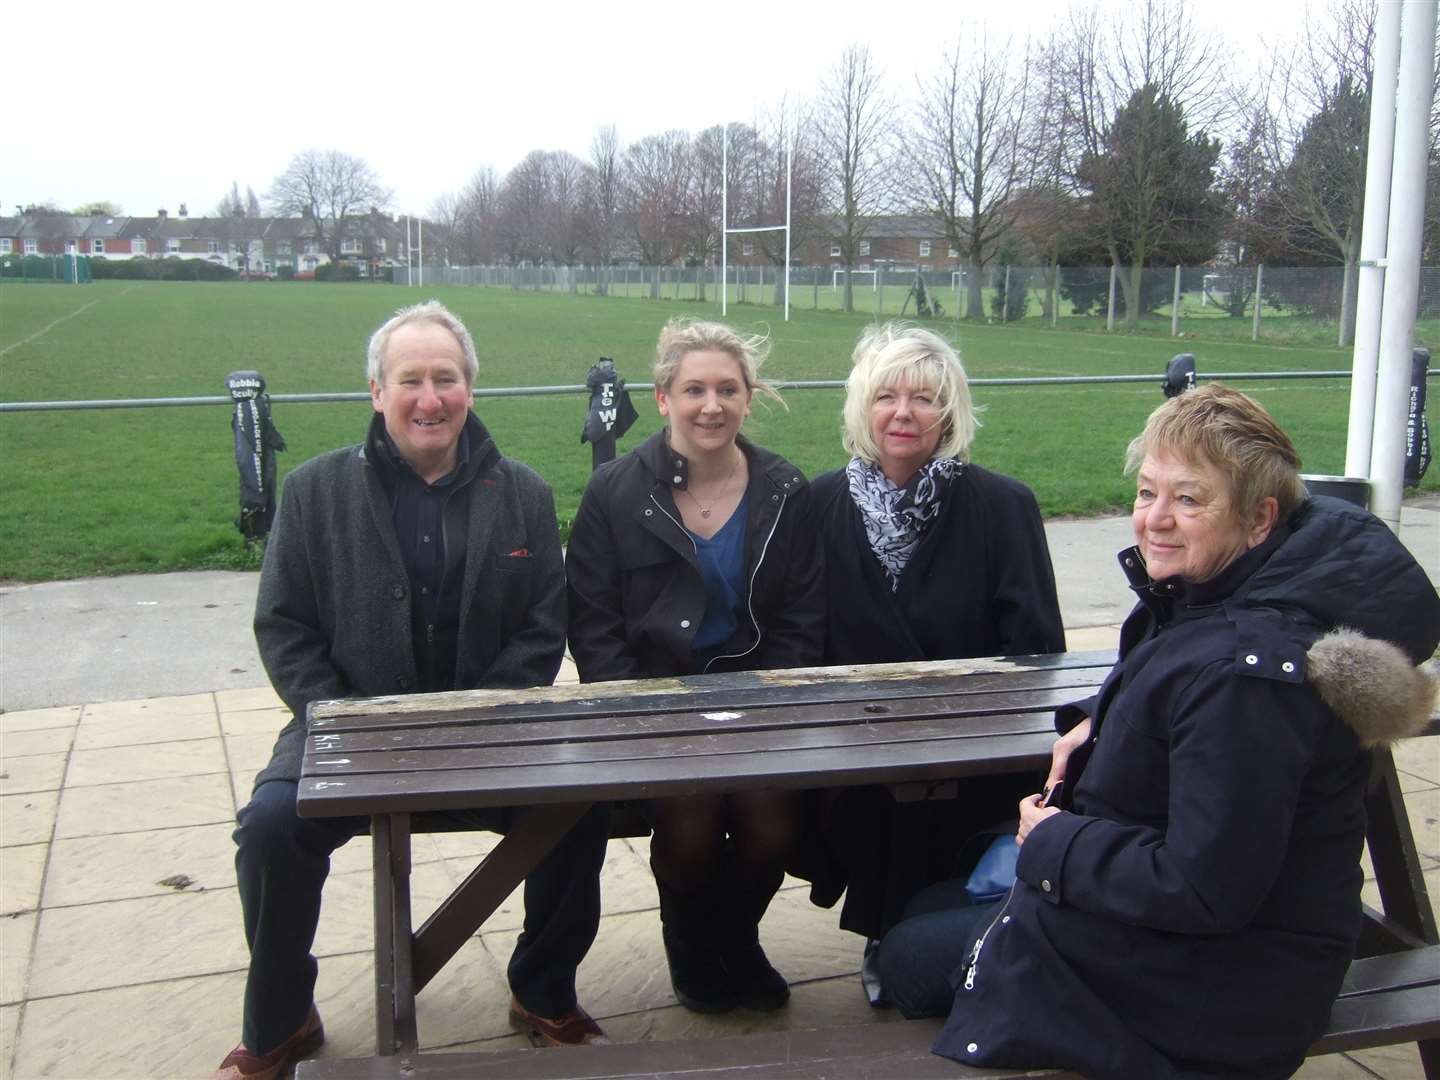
[135, 713]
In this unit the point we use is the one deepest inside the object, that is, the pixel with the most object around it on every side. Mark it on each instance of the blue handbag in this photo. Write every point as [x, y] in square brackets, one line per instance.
[993, 875]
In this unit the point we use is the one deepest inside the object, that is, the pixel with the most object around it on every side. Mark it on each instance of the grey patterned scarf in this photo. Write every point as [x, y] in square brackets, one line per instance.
[896, 517]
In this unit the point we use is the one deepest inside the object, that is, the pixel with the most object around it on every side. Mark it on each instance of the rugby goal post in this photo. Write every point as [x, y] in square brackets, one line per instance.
[835, 278]
[726, 230]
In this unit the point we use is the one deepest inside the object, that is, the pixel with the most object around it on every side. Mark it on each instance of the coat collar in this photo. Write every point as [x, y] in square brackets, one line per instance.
[670, 467]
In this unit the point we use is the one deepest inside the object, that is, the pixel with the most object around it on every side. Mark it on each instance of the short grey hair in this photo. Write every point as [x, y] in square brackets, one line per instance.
[431, 311]
[682, 336]
[894, 354]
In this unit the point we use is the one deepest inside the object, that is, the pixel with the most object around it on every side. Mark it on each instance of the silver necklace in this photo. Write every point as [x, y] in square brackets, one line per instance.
[705, 510]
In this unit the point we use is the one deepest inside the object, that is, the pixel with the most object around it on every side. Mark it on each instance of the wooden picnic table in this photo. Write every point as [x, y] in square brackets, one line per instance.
[552, 752]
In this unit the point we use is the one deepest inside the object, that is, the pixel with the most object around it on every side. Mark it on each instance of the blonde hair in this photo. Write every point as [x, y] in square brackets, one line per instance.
[1233, 432]
[910, 357]
[682, 336]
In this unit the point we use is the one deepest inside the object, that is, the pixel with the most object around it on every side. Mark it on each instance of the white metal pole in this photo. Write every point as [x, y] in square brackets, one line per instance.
[1175, 305]
[1402, 253]
[1005, 305]
[1259, 281]
[1110, 312]
[1372, 241]
[724, 216]
[420, 248]
[789, 152]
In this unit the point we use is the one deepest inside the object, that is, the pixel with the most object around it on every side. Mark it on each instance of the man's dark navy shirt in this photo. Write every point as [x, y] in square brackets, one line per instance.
[419, 517]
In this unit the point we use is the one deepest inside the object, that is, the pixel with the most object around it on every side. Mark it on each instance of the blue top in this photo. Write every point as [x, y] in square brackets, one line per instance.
[722, 564]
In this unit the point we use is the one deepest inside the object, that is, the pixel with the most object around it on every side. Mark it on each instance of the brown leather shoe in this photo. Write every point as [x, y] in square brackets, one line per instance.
[241, 1064]
[575, 1028]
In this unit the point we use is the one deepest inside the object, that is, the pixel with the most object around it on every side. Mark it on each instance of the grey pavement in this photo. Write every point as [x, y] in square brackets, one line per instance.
[134, 714]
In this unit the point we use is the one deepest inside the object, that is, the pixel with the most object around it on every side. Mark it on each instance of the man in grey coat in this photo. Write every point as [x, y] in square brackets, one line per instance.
[419, 560]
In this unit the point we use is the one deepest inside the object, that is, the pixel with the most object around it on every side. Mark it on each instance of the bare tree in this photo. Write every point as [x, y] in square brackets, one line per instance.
[238, 223]
[703, 198]
[445, 219]
[524, 203]
[1313, 111]
[966, 153]
[656, 177]
[853, 139]
[764, 197]
[565, 239]
[479, 200]
[603, 197]
[330, 188]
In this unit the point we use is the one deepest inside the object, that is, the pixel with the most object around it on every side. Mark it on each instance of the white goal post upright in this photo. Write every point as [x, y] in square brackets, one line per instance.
[725, 229]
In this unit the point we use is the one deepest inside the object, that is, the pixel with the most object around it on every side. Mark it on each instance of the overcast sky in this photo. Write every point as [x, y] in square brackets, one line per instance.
[152, 103]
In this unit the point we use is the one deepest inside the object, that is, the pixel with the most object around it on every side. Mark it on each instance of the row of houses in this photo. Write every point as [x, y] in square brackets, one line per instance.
[375, 240]
[248, 245]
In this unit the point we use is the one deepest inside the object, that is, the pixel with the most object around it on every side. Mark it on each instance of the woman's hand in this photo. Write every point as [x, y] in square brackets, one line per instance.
[1033, 811]
[1064, 747]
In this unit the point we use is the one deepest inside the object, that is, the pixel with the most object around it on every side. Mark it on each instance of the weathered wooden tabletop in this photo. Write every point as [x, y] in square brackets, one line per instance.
[814, 727]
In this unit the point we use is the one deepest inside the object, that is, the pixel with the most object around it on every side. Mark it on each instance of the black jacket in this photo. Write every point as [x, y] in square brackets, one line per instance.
[1195, 913]
[636, 592]
[979, 584]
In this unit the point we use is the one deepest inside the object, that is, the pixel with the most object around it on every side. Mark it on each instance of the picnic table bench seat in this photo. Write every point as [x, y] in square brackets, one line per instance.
[1385, 1000]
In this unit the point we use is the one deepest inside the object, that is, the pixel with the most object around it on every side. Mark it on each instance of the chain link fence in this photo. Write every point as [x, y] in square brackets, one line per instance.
[1245, 301]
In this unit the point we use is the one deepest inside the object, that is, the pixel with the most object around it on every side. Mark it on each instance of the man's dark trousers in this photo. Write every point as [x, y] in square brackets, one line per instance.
[282, 860]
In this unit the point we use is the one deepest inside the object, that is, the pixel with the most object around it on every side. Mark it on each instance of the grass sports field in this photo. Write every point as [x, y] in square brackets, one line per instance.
[113, 491]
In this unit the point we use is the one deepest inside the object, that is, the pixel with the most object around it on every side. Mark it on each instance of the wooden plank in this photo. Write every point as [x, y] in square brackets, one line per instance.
[899, 1048]
[1396, 1016]
[479, 731]
[794, 686]
[931, 759]
[859, 737]
[1414, 967]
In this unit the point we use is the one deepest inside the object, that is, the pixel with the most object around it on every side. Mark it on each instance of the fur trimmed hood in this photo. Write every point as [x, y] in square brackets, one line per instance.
[1372, 686]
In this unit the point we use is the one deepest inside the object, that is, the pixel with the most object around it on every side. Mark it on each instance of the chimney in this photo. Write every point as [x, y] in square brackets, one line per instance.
[162, 213]
[184, 212]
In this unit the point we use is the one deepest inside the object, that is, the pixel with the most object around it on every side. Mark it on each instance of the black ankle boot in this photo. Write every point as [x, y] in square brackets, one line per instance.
[697, 975]
[756, 983]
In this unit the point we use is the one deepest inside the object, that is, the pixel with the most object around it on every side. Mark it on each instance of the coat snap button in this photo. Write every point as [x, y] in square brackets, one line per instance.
[676, 478]
[1287, 667]
[398, 592]
[972, 1048]
[1045, 885]
[684, 624]
[1006, 919]
[774, 498]
[1252, 659]
[648, 512]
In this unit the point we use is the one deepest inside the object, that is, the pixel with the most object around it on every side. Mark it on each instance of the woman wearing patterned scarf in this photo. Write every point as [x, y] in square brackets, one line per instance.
[929, 557]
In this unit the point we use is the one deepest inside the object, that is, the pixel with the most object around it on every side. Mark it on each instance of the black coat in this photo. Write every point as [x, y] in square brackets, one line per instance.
[1196, 911]
[636, 592]
[979, 583]
[333, 615]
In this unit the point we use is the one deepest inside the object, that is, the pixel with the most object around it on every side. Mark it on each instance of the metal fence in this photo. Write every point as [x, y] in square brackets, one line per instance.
[1246, 301]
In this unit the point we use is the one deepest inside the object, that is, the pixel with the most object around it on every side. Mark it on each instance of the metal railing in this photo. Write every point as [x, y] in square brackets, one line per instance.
[581, 389]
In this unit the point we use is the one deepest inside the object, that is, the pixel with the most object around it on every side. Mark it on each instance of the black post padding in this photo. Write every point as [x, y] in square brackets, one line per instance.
[256, 443]
[1179, 375]
[611, 412]
[1417, 428]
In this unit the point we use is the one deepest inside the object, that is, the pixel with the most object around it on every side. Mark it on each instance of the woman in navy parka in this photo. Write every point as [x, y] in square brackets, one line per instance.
[1192, 909]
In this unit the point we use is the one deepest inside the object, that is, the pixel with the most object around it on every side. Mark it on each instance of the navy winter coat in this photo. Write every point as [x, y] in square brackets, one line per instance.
[1195, 912]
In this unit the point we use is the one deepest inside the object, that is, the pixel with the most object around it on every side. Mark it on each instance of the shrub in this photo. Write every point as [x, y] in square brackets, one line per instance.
[285, 272]
[337, 272]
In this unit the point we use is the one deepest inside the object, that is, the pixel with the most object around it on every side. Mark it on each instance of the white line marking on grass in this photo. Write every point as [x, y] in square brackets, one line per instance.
[46, 329]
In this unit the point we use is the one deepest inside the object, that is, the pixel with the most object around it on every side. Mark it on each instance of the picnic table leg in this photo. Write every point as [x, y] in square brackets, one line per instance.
[533, 833]
[1398, 874]
[394, 961]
